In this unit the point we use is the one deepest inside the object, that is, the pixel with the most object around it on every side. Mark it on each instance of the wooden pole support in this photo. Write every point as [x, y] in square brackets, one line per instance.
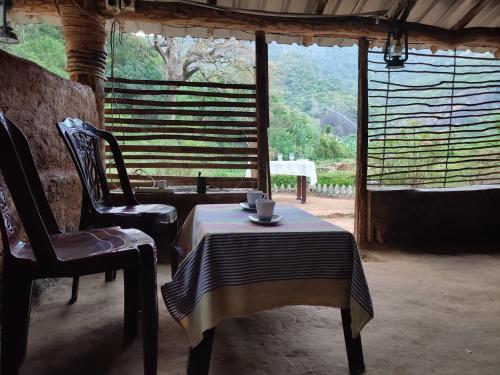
[85, 39]
[361, 197]
[262, 94]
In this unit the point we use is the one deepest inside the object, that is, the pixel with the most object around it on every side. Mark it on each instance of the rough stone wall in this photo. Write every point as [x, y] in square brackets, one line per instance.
[450, 218]
[35, 100]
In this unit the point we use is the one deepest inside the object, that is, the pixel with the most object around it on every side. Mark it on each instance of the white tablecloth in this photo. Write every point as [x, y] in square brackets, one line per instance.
[293, 168]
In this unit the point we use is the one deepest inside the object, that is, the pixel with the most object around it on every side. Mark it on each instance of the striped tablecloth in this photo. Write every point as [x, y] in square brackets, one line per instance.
[232, 267]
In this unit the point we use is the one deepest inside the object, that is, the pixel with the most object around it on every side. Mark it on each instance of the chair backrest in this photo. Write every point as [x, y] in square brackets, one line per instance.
[83, 142]
[23, 182]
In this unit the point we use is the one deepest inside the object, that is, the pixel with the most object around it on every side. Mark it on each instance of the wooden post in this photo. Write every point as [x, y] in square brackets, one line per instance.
[361, 198]
[262, 93]
[85, 39]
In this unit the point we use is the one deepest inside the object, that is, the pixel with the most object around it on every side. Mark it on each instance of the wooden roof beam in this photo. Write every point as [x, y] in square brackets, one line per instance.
[178, 14]
[352, 27]
[470, 15]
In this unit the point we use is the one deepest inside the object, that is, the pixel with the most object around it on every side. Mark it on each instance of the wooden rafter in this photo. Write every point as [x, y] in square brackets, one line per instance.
[319, 7]
[470, 15]
[402, 10]
[407, 10]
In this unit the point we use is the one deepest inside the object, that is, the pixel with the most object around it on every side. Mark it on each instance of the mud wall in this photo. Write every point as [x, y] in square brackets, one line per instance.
[456, 217]
[35, 100]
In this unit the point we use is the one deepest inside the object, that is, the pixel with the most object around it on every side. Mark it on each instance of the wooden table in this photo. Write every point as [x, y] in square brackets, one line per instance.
[232, 267]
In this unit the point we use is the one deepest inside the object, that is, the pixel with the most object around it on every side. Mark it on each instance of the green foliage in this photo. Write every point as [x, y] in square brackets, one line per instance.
[337, 178]
[330, 148]
[42, 44]
[329, 178]
[291, 130]
[134, 57]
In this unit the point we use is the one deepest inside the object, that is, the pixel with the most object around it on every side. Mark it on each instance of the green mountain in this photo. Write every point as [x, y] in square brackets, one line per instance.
[320, 81]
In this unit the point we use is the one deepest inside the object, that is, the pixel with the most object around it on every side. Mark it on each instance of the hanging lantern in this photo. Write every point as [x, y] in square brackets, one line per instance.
[7, 35]
[396, 48]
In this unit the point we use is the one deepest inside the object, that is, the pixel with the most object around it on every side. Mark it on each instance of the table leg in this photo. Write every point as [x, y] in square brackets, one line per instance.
[299, 187]
[303, 186]
[353, 346]
[199, 356]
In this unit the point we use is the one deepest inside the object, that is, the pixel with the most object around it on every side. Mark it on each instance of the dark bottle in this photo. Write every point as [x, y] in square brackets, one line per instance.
[201, 184]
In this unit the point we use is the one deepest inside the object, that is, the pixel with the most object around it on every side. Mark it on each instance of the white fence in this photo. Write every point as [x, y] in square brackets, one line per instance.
[318, 189]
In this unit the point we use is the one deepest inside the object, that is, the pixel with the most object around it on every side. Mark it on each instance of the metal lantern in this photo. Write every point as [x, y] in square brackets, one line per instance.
[396, 48]
[7, 35]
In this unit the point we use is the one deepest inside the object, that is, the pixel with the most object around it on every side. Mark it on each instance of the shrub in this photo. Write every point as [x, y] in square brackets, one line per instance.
[329, 178]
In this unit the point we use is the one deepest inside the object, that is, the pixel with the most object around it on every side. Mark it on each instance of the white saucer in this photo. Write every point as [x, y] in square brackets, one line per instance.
[246, 207]
[274, 220]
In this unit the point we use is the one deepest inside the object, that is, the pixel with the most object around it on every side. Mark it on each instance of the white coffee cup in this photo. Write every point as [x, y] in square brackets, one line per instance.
[162, 184]
[252, 196]
[265, 209]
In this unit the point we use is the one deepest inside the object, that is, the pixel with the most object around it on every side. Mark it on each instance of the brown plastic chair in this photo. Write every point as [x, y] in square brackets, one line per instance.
[84, 141]
[49, 253]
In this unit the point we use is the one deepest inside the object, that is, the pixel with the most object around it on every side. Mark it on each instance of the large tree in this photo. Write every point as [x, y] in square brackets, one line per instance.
[211, 59]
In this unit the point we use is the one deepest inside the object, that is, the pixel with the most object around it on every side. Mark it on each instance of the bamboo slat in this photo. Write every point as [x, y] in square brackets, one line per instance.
[180, 112]
[392, 127]
[437, 117]
[119, 90]
[186, 158]
[142, 82]
[434, 72]
[143, 165]
[440, 132]
[200, 123]
[155, 137]
[188, 149]
[401, 150]
[420, 157]
[161, 103]
[177, 130]
[183, 179]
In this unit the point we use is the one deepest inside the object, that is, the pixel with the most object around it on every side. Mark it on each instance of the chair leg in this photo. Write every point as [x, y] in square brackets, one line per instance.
[149, 310]
[110, 275]
[15, 320]
[199, 356]
[353, 345]
[132, 299]
[74, 290]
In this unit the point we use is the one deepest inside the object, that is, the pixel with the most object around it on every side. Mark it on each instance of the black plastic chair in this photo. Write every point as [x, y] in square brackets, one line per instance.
[84, 141]
[50, 253]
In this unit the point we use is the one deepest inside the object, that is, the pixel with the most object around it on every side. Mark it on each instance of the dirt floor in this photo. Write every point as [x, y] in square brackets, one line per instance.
[434, 314]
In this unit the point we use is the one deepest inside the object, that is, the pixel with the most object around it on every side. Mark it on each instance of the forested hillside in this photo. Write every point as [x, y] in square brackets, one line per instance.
[313, 90]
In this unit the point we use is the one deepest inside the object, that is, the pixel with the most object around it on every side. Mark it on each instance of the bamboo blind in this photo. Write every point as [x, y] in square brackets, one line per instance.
[170, 130]
[434, 123]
